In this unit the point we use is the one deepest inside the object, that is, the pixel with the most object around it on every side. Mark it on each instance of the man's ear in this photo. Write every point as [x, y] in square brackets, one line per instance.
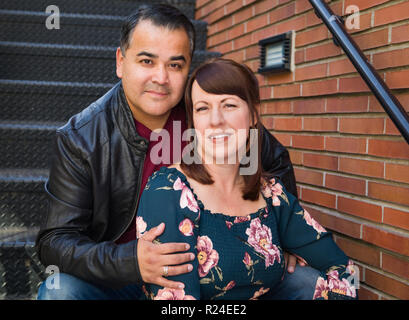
[119, 62]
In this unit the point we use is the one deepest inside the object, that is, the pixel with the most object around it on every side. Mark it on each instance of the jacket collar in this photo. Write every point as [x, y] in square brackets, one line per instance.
[125, 121]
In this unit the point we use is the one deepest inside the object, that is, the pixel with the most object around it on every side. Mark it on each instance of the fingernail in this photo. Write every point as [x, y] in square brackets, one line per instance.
[192, 256]
[181, 286]
[290, 269]
[190, 267]
[187, 246]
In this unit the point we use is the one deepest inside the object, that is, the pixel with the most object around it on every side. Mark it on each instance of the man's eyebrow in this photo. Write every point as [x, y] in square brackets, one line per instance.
[148, 54]
[181, 57]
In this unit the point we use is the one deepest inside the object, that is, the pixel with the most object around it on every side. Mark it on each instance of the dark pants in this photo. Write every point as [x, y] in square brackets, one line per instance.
[299, 285]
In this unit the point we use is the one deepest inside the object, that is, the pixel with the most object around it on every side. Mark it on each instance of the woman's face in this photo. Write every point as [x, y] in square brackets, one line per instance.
[221, 124]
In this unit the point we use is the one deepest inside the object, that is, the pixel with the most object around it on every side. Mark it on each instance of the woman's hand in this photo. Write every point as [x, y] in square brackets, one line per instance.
[291, 261]
[155, 259]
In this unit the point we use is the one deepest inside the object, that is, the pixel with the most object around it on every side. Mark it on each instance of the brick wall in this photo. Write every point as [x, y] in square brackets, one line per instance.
[351, 164]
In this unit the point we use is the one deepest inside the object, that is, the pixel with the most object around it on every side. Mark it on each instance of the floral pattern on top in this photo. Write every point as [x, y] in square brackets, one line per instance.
[239, 257]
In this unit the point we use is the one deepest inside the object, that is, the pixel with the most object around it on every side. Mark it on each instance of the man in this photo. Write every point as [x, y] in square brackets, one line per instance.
[101, 163]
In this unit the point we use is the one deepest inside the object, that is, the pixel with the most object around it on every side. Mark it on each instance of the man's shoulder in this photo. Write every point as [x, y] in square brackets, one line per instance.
[94, 114]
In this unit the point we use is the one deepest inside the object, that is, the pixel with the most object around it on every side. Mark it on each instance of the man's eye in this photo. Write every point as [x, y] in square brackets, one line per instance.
[176, 66]
[146, 61]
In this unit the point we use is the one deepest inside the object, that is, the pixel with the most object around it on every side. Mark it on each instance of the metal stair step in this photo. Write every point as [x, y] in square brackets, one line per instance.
[46, 101]
[41, 62]
[102, 7]
[21, 272]
[22, 198]
[75, 29]
[26, 145]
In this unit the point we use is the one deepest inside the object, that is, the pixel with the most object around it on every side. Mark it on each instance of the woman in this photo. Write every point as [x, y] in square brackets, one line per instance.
[237, 224]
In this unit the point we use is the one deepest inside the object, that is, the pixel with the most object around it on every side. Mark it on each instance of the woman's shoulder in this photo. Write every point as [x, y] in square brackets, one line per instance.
[166, 178]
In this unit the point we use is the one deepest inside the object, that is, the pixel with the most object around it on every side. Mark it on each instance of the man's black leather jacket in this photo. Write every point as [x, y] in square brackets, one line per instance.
[93, 187]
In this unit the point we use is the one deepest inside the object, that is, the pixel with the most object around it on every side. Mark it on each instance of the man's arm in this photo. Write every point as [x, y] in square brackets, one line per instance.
[276, 161]
[64, 239]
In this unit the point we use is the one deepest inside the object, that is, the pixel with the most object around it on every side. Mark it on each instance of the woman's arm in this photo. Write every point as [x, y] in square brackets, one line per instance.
[301, 235]
[167, 199]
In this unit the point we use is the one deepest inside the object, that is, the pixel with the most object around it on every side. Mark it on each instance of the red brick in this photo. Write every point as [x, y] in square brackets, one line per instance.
[345, 145]
[397, 79]
[287, 91]
[308, 142]
[388, 148]
[322, 51]
[351, 85]
[391, 59]
[388, 192]
[338, 67]
[361, 167]
[372, 39]
[396, 218]
[235, 32]
[386, 284]
[287, 124]
[360, 209]
[311, 36]
[296, 24]
[397, 172]
[302, 5]
[341, 225]
[320, 161]
[257, 23]
[347, 104]
[242, 42]
[362, 125]
[284, 139]
[318, 197]
[367, 294]
[276, 107]
[311, 72]
[382, 238]
[345, 184]
[243, 15]
[364, 4]
[308, 176]
[282, 13]
[266, 93]
[395, 265]
[391, 14]
[400, 33]
[318, 88]
[320, 124]
[279, 78]
[295, 156]
[360, 251]
[309, 106]
[299, 56]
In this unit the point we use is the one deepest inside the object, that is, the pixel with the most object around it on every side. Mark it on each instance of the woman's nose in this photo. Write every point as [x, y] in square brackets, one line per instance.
[216, 117]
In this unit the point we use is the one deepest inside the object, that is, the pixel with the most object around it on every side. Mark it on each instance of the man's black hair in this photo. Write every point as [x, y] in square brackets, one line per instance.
[161, 15]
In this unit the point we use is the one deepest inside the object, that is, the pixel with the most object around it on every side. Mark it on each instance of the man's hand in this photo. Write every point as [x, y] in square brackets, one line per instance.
[152, 258]
[291, 261]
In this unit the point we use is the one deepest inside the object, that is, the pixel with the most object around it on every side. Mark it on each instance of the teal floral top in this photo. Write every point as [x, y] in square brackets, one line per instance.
[239, 257]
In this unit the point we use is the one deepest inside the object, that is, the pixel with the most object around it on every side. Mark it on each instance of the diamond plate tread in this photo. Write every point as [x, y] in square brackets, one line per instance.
[23, 200]
[85, 30]
[63, 63]
[102, 7]
[21, 272]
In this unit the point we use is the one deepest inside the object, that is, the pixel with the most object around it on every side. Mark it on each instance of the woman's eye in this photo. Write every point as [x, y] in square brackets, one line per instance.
[201, 109]
[230, 105]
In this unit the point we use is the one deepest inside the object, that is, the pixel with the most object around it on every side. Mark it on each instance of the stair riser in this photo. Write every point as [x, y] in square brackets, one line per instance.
[100, 7]
[74, 31]
[45, 64]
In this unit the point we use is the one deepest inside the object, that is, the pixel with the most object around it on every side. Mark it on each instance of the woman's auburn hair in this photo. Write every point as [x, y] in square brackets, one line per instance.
[224, 76]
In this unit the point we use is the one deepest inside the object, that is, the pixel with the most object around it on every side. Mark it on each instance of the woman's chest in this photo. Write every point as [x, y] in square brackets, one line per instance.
[239, 256]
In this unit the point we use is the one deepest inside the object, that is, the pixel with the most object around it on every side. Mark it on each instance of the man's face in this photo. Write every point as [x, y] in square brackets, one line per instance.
[154, 71]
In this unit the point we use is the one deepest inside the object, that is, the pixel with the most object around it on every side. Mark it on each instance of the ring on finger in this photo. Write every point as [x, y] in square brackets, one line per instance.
[165, 271]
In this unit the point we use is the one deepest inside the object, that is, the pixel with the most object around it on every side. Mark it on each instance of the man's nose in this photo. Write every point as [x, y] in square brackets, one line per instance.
[160, 75]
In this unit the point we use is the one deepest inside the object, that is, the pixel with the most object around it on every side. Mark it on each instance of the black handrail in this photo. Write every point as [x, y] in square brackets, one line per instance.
[378, 87]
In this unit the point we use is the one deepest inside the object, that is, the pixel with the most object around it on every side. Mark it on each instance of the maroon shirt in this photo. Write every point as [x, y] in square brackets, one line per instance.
[177, 119]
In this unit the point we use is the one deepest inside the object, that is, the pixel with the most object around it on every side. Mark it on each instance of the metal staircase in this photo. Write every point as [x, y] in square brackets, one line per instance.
[46, 76]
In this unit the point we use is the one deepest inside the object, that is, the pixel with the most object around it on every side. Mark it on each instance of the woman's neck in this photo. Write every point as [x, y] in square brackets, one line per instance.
[226, 177]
